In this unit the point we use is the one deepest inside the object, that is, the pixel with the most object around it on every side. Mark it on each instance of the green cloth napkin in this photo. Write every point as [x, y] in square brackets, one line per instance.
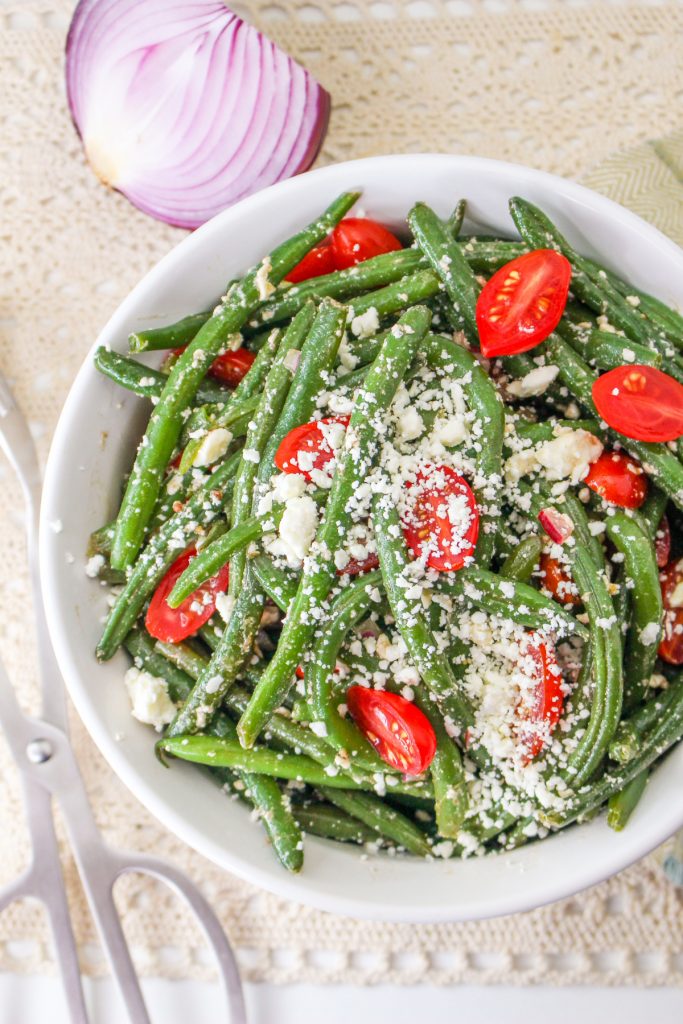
[647, 179]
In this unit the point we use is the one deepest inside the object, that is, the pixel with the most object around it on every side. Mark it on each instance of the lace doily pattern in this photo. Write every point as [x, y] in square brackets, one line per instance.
[556, 84]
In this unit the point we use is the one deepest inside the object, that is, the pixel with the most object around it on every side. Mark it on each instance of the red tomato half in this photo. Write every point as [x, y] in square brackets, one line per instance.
[358, 238]
[308, 441]
[556, 579]
[319, 261]
[618, 479]
[640, 402]
[671, 645]
[663, 542]
[231, 367]
[540, 708]
[523, 302]
[400, 733]
[443, 518]
[171, 625]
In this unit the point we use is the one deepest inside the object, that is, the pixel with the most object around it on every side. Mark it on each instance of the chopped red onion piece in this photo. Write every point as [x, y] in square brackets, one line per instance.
[185, 108]
[556, 524]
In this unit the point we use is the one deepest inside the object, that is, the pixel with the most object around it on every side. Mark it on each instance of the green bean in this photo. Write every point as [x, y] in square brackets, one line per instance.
[607, 351]
[275, 390]
[415, 288]
[621, 805]
[546, 431]
[330, 822]
[593, 288]
[664, 319]
[280, 586]
[146, 381]
[317, 357]
[485, 403]
[376, 272]
[448, 262]
[608, 684]
[656, 459]
[645, 627]
[629, 735]
[434, 669]
[523, 560]
[172, 538]
[171, 336]
[186, 375]
[511, 599]
[353, 464]
[227, 753]
[668, 731]
[380, 817]
[262, 792]
[345, 611]
[653, 508]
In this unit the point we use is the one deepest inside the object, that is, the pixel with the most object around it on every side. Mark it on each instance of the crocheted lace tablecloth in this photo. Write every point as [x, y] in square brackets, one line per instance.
[559, 85]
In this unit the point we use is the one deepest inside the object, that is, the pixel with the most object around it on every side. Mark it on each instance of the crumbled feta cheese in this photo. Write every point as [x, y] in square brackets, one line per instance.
[93, 566]
[150, 702]
[251, 455]
[569, 455]
[297, 529]
[650, 634]
[365, 324]
[225, 606]
[536, 382]
[263, 284]
[213, 447]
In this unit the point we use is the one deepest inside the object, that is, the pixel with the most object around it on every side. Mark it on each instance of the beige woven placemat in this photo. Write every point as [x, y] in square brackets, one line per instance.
[560, 88]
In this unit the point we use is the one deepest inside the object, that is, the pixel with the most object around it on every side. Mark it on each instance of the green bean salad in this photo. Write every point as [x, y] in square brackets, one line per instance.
[397, 559]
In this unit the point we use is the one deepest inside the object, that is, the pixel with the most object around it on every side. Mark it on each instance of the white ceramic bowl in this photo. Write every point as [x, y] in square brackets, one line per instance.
[93, 447]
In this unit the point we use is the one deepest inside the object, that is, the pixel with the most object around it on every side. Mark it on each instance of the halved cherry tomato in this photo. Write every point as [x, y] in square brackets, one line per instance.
[171, 625]
[618, 479]
[352, 241]
[443, 518]
[308, 441]
[556, 579]
[354, 567]
[663, 542]
[231, 367]
[400, 733]
[523, 302]
[640, 402]
[359, 238]
[671, 582]
[540, 708]
[319, 261]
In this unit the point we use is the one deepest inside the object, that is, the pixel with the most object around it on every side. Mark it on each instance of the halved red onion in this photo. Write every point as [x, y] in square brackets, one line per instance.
[185, 108]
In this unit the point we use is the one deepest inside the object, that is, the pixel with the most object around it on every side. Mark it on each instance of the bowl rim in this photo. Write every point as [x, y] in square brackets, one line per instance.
[279, 881]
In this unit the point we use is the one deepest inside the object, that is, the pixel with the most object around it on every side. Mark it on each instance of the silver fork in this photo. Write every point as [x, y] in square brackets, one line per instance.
[49, 771]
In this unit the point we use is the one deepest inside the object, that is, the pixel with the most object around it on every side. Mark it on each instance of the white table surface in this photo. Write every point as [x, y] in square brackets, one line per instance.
[34, 1000]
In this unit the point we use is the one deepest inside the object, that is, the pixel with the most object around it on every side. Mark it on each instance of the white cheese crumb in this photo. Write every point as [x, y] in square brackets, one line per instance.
[251, 455]
[297, 529]
[225, 606]
[263, 284]
[536, 382]
[366, 324]
[650, 634]
[214, 445]
[150, 702]
[569, 455]
[93, 566]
